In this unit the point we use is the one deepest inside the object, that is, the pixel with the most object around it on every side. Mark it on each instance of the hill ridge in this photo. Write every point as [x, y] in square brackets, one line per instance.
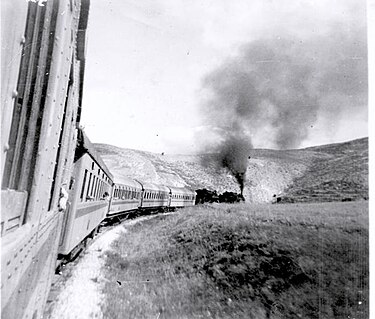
[331, 172]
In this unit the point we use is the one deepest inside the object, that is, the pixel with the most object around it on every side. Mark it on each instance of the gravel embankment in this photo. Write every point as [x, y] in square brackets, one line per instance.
[80, 296]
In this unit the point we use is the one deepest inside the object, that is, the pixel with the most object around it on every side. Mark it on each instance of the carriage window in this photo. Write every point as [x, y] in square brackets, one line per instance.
[96, 187]
[83, 184]
[101, 189]
[88, 186]
[93, 185]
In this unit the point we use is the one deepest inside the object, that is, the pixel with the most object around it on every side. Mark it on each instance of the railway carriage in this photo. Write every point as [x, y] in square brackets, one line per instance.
[181, 197]
[126, 197]
[42, 66]
[154, 196]
[89, 190]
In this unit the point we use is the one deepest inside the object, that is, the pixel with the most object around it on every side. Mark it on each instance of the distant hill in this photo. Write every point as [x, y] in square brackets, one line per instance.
[331, 172]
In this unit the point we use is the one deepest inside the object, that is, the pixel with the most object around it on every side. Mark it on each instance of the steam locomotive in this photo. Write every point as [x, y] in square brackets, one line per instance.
[55, 189]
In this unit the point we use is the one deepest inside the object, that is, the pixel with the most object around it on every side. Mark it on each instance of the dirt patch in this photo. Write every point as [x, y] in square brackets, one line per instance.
[81, 295]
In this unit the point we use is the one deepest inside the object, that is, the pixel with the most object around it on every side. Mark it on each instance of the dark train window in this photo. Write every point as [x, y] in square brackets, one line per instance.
[100, 189]
[88, 186]
[97, 188]
[83, 184]
[92, 185]
[92, 165]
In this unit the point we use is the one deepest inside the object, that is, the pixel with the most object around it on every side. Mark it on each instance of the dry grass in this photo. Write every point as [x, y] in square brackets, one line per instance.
[242, 261]
[338, 172]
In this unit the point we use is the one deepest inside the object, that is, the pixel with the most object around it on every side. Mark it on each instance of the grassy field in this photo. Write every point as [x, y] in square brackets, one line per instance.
[243, 261]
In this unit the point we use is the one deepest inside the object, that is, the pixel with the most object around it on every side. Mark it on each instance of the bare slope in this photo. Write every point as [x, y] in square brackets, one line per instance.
[323, 173]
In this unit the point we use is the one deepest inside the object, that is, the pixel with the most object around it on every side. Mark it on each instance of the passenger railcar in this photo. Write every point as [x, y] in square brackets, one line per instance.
[89, 191]
[181, 197]
[154, 196]
[126, 196]
[42, 66]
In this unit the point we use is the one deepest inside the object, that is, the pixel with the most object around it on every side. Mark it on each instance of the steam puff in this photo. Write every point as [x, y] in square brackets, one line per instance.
[283, 84]
[233, 154]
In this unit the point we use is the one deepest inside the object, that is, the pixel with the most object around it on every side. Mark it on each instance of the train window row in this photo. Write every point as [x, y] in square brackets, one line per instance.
[96, 187]
[125, 194]
[149, 195]
[104, 177]
[186, 197]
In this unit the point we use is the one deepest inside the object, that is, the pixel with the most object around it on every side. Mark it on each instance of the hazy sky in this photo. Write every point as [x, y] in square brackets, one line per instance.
[147, 62]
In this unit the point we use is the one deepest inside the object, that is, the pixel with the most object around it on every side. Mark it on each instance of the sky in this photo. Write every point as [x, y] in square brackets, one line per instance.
[154, 68]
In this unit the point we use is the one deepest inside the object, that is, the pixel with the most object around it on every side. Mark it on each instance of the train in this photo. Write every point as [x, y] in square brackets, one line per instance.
[95, 196]
[56, 190]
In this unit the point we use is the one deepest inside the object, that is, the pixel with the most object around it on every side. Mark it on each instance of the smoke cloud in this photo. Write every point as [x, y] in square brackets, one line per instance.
[277, 87]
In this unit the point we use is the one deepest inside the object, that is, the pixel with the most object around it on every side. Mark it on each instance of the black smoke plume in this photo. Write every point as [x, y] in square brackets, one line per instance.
[233, 154]
[276, 88]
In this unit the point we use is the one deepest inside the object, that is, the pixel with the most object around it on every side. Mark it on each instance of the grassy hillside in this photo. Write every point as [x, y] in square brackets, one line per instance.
[243, 261]
[337, 172]
[325, 173]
